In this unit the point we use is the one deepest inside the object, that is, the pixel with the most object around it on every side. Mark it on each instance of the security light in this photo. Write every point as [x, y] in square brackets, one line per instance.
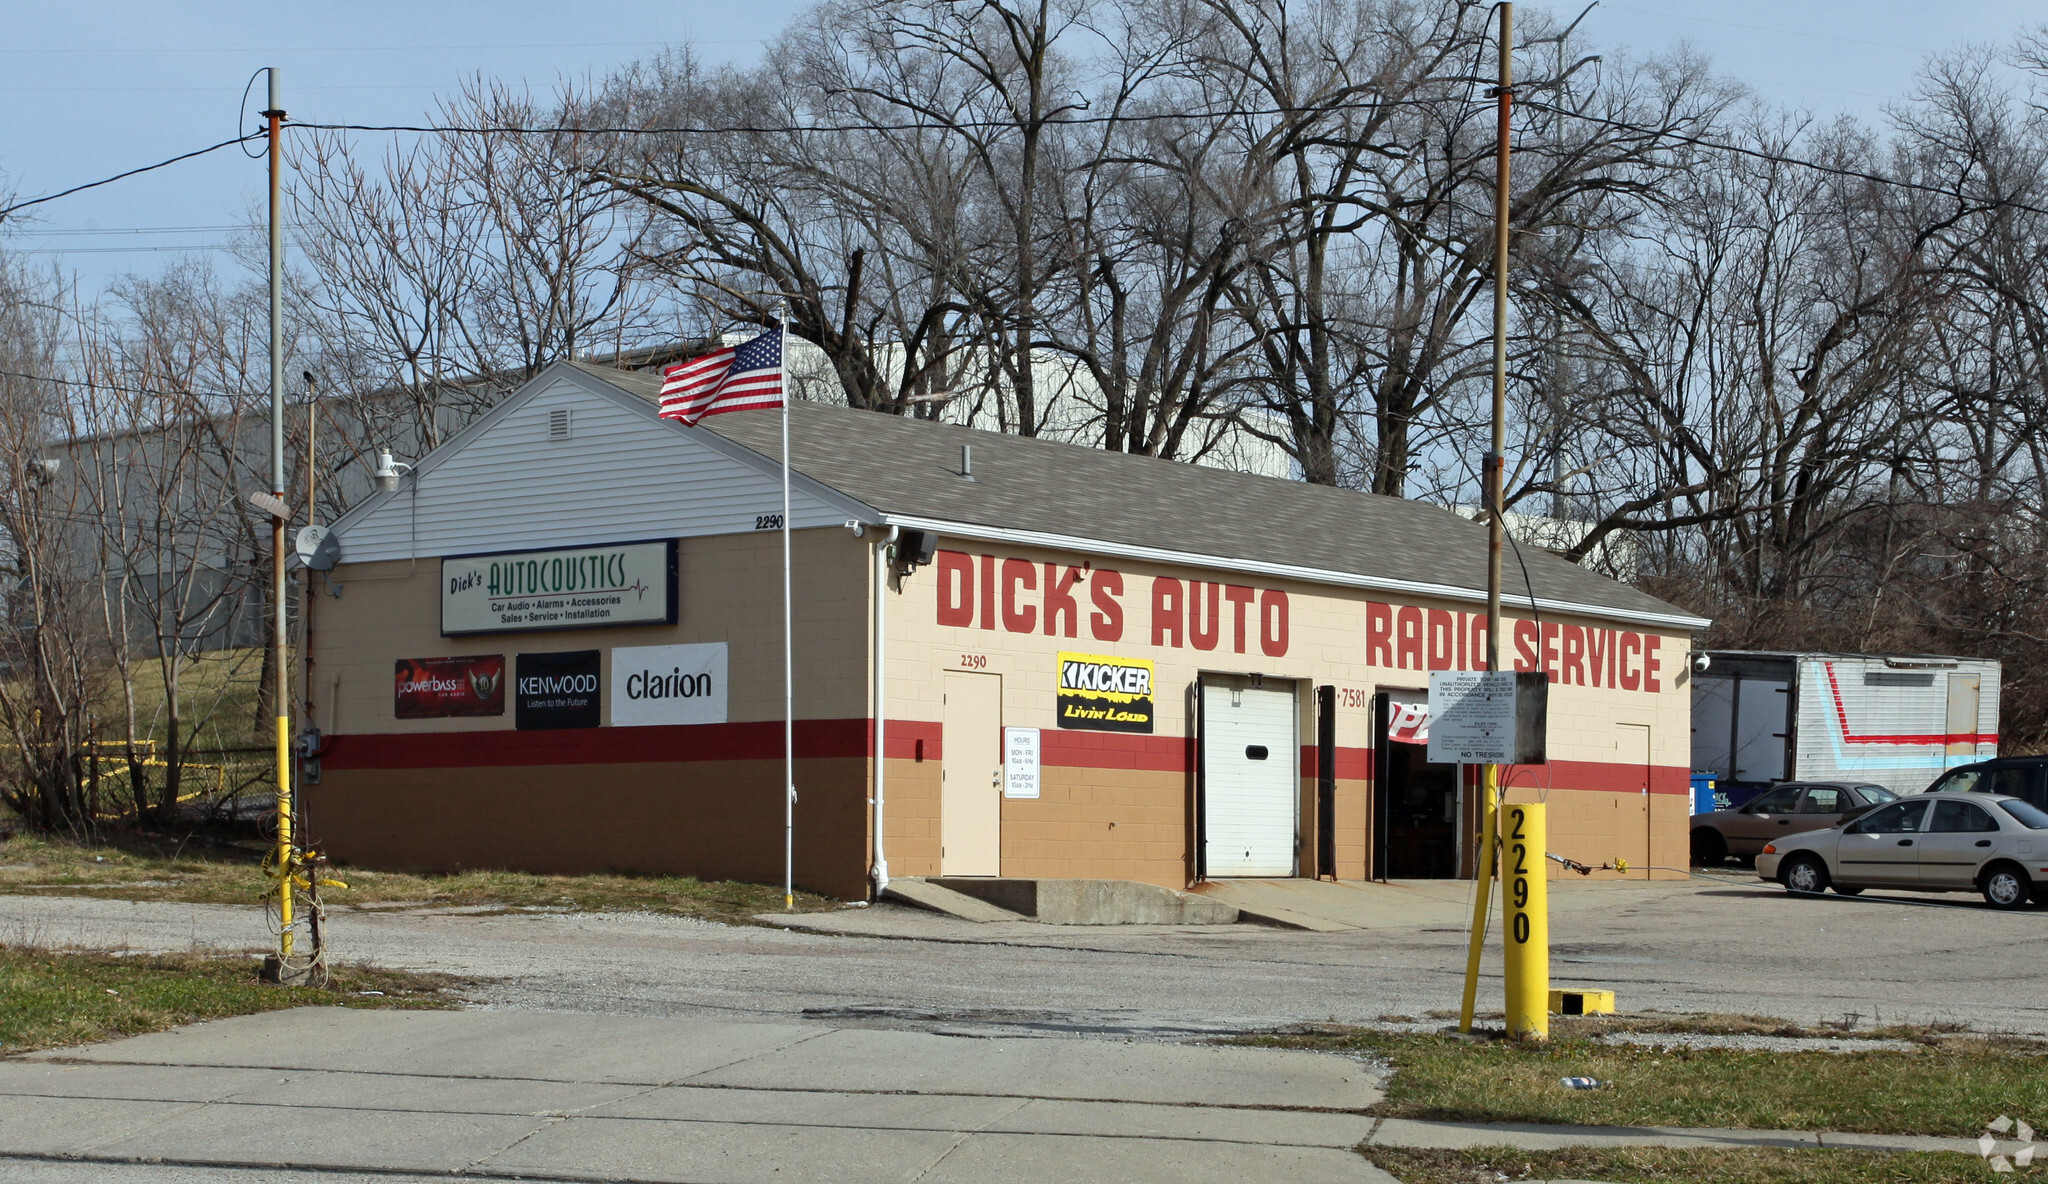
[389, 471]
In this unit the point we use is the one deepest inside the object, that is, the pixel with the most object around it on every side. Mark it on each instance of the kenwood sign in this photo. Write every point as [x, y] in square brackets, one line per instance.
[584, 588]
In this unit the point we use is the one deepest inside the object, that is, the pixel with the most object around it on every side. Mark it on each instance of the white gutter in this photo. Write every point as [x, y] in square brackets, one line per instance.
[881, 562]
[1312, 575]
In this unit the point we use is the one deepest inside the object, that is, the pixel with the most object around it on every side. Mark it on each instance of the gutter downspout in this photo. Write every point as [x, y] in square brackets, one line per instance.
[882, 548]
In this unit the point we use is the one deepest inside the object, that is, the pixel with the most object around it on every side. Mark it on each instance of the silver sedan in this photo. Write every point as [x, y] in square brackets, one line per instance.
[1989, 843]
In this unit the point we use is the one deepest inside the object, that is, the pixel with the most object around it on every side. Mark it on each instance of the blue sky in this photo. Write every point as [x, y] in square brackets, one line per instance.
[89, 88]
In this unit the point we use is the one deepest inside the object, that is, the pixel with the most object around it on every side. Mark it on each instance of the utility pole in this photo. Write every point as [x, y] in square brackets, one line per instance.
[312, 519]
[279, 651]
[1491, 480]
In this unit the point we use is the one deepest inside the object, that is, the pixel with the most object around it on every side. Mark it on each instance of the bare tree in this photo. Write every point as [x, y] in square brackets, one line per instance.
[48, 653]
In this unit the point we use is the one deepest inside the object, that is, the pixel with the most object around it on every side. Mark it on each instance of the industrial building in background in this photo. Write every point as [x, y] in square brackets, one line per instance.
[555, 645]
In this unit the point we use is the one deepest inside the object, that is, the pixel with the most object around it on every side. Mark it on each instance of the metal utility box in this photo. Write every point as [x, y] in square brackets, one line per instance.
[1890, 720]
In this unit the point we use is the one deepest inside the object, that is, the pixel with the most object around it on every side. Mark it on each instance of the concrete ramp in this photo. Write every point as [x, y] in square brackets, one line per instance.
[1334, 906]
[1092, 902]
[940, 899]
[1327, 906]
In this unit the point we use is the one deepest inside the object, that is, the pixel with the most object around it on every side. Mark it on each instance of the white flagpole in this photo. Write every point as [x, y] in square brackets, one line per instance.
[788, 658]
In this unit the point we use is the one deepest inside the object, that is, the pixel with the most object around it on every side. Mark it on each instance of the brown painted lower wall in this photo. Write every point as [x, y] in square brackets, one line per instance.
[1652, 832]
[713, 819]
[438, 803]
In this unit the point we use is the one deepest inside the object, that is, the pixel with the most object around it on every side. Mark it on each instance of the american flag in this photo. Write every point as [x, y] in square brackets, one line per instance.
[737, 378]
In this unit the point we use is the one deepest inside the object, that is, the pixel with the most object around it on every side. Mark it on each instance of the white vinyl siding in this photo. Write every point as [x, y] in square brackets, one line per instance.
[1249, 801]
[1880, 711]
[622, 476]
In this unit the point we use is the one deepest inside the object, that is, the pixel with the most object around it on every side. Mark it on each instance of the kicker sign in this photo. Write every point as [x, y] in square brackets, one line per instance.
[1101, 694]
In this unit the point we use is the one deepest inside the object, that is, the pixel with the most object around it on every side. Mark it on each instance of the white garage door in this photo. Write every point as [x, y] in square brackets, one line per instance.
[1251, 781]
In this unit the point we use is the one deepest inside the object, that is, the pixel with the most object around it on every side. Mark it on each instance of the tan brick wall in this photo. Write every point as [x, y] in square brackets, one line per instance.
[1119, 810]
[1068, 827]
[709, 817]
[728, 588]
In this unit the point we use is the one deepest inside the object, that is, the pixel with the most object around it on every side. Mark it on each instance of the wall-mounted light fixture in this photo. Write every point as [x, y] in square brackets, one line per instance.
[389, 471]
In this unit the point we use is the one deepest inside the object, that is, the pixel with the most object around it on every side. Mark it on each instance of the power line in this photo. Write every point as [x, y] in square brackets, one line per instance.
[1706, 20]
[1775, 158]
[1067, 120]
[36, 201]
[132, 230]
[97, 50]
[792, 129]
[131, 90]
[131, 390]
[141, 247]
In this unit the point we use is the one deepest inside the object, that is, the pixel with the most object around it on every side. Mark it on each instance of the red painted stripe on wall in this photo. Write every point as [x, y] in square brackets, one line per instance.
[1353, 764]
[760, 740]
[756, 741]
[827, 738]
[1842, 718]
[1600, 777]
[910, 740]
[1112, 750]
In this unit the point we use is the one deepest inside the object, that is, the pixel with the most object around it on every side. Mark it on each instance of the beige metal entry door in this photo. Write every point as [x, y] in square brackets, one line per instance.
[1251, 778]
[1632, 760]
[971, 776]
[1964, 691]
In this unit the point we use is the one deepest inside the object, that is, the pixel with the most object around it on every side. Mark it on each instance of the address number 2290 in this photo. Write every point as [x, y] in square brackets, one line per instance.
[767, 522]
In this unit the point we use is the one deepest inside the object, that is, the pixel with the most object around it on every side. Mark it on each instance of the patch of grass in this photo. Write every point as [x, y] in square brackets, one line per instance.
[146, 867]
[1947, 1035]
[51, 998]
[1653, 1165]
[1930, 1090]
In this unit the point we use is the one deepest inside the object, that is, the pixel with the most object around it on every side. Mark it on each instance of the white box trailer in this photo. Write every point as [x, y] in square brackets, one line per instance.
[1890, 720]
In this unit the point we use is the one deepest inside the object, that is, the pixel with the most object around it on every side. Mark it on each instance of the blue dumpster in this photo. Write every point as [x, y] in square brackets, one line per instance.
[1704, 799]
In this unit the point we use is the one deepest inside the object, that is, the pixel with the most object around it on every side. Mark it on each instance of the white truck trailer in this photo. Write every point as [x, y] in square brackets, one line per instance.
[1890, 720]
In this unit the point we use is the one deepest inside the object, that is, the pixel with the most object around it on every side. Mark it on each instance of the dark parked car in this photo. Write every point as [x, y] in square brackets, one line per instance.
[1788, 809]
[2023, 777]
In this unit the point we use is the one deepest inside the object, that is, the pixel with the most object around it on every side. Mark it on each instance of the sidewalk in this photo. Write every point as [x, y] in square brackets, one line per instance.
[495, 1095]
[1409, 1132]
[580, 1097]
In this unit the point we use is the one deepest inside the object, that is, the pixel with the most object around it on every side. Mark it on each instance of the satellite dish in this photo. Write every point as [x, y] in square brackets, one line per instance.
[318, 547]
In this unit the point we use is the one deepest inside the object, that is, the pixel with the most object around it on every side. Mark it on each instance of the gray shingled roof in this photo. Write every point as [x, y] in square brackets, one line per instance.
[910, 468]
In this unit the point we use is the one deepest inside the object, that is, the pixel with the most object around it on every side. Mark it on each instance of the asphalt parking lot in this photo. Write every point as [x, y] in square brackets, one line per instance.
[1731, 944]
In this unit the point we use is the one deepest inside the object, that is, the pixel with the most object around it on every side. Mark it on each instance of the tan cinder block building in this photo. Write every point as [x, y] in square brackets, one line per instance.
[557, 647]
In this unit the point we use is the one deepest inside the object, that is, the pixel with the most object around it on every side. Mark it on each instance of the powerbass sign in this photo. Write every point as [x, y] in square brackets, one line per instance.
[578, 588]
[1101, 694]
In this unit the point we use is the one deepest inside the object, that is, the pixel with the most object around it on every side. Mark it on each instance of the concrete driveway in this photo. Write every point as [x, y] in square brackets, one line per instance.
[1737, 946]
[498, 1095]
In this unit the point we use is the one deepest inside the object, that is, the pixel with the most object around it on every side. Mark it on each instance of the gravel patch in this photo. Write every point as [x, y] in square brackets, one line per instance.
[1756, 1043]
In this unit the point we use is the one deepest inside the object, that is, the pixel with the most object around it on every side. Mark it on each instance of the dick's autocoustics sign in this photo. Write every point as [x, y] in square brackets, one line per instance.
[578, 588]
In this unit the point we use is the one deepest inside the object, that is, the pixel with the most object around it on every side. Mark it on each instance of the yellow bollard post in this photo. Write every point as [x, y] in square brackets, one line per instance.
[1481, 895]
[1525, 888]
[284, 834]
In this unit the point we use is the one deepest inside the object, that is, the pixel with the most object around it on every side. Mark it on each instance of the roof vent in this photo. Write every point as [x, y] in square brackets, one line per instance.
[967, 461]
[560, 424]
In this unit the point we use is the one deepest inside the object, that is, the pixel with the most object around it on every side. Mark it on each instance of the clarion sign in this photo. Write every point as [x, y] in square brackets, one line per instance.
[584, 588]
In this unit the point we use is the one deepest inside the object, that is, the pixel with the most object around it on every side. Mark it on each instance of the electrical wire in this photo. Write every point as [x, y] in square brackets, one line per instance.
[1078, 120]
[242, 115]
[925, 125]
[1794, 161]
[1231, 113]
[127, 390]
[36, 201]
